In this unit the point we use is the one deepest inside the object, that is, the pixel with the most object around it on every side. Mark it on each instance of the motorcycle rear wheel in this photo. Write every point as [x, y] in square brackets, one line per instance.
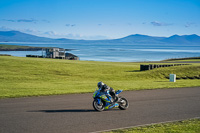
[123, 103]
[98, 107]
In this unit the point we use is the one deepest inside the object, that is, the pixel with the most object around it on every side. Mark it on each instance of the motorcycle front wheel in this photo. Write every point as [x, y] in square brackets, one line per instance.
[98, 107]
[123, 103]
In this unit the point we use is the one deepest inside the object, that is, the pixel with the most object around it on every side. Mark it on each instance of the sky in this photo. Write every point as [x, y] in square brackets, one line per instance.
[100, 19]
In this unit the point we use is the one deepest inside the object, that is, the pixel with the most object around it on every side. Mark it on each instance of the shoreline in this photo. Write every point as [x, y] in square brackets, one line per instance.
[21, 49]
[5, 47]
[94, 53]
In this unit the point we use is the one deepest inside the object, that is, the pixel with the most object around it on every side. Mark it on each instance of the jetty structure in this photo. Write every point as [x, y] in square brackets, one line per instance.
[55, 53]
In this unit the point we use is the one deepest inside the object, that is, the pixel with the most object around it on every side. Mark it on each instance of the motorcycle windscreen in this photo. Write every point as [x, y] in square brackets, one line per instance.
[119, 91]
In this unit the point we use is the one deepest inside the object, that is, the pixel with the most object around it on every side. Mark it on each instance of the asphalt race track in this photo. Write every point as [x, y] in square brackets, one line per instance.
[75, 114]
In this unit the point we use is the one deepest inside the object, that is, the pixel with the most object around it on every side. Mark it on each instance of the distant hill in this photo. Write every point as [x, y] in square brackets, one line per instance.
[16, 36]
[185, 39]
[137, 38]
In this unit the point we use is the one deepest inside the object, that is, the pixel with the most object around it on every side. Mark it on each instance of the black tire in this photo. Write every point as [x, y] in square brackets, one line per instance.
[98, 107]
[123, 103]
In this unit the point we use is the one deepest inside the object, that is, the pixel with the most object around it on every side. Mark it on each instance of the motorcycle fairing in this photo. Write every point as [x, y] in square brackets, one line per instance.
[116, 105]
[98, 101]
[95, 93]
[104, 98]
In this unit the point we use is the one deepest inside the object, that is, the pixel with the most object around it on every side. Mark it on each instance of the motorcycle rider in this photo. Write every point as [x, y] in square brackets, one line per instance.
[108, 91]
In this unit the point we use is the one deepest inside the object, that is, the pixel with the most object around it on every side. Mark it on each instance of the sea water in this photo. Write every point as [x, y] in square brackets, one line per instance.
[115, 52]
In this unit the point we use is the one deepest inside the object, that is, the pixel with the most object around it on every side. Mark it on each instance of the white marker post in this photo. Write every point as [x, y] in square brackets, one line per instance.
[172, 78]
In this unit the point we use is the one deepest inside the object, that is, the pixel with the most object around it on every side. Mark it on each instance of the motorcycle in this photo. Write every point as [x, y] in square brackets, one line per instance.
[102, 102]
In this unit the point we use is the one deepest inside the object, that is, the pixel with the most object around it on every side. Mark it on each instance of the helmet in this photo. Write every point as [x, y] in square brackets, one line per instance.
[100, 84]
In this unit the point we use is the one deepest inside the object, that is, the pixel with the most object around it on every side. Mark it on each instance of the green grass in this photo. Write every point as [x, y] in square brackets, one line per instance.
[187, 126]
[21, 77]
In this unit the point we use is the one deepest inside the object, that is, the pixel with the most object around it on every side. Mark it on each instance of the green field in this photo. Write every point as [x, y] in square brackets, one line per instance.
[187, 126]
[21, 77]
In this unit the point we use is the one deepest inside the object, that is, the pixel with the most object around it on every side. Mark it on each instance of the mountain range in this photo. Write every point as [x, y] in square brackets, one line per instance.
[16, 36]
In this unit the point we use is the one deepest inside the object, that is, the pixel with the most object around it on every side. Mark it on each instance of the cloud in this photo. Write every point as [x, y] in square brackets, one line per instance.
[86, 37]
[49, 34]
[25, 20]
[157, 23]
[21, 20]
[9, 20]
[189, 24]
[70, 25]
[52, 34]
[46, 21]
[4, 28]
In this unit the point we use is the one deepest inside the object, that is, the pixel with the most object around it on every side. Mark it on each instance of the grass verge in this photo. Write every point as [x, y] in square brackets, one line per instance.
[186, 126]
[21, 77]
